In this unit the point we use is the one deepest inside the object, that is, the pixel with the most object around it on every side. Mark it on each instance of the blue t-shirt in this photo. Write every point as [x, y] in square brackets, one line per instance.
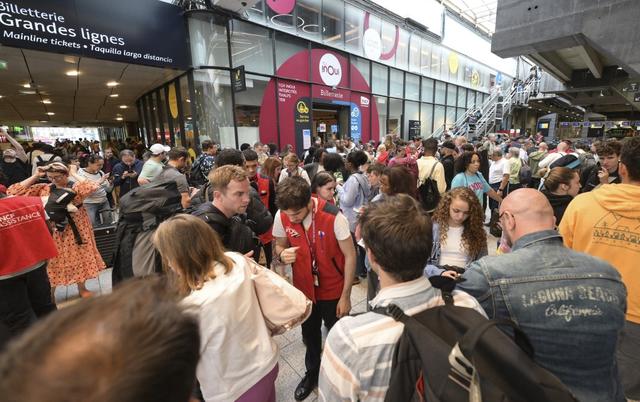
[475, 183]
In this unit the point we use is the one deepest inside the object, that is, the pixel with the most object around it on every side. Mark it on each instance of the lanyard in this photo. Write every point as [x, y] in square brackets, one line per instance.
[312, 243]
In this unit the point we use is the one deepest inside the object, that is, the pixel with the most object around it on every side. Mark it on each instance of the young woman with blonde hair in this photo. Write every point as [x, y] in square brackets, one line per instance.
[459, 237]
[239, 359]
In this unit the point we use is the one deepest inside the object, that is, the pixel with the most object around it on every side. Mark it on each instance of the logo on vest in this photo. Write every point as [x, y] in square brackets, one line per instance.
[292, 232]
[330, 70]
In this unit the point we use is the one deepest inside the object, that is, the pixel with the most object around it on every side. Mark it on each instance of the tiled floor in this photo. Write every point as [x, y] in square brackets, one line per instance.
[292, 349]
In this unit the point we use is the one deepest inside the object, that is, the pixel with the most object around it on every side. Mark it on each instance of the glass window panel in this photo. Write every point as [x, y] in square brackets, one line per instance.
[354, 20]
[284, 22]
[435, 62]
[388, 36]
[462, 97]
[451, 116]
[414, 53]
[332, 22]
[452, 96]
[397, 83]
[426, 119]
[381, 104]
[364, 67]
[411, 112]
[163, 113]
[309, 18]
[187, 112]
[444, 64]
[412, 87]
[251, 46]
[402, 52]
[213, 104]
[208, 39]
[395, 116]
[438, 117]
[380, 79]
[247, 109]
[425, 57]
[427, 90]
[441, 92]
[256, 12]
[287, 46]
[459, 113]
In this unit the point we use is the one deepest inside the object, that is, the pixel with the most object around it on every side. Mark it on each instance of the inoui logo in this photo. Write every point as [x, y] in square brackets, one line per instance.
[330, 70]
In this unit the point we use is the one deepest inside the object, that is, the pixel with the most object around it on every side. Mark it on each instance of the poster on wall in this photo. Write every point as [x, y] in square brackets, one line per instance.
[322, 128]
[119, 30]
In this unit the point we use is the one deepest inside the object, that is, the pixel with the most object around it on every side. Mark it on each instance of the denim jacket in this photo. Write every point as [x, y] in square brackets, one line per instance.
[570, 305]
[433, 264]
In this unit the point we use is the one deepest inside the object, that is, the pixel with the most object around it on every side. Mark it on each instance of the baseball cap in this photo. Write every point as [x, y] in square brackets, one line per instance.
[157, 149]
[9, 153]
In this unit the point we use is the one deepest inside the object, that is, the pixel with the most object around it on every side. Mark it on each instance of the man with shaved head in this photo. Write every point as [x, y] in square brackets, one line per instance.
[570, 305]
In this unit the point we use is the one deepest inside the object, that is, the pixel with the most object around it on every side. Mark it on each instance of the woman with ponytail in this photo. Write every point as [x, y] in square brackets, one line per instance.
[561, 184]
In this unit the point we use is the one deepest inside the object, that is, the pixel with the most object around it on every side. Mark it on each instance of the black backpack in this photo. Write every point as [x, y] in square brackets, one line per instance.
[454, 354]
[524, 176]
[239, 237]
[196, 176]
[428, 192]
[151, 203]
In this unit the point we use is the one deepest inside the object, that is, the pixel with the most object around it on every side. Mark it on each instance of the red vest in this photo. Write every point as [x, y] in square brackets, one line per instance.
[265, 197]
[24, 235]
[328, 255]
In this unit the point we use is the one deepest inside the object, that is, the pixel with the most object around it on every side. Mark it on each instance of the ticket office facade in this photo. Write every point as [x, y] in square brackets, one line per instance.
[294, 77]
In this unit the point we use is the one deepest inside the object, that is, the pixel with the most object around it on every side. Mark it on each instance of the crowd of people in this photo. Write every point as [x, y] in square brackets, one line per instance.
[409, 217]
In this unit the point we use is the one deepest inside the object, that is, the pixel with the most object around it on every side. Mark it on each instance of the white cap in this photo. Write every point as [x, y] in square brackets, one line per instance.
[157, 149]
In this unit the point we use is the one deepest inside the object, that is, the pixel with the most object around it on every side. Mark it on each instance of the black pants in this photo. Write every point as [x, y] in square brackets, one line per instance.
[493, 204]
[322, 310]
[361, 269]
[25, 298]
[268, 252]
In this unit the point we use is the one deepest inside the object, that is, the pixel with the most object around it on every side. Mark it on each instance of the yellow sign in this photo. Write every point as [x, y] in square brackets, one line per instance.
[173, 101]
[453, 63]
[302, 107]
[475, 78]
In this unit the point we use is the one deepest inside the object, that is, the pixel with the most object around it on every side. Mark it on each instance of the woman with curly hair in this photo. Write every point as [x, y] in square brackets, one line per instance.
[458, 233]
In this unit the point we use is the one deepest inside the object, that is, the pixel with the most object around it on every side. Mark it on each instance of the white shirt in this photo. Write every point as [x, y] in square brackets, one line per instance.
[498, 169]
[524, 155]
[301, 172]
[340, 225]
[236, 348]
[452, 251]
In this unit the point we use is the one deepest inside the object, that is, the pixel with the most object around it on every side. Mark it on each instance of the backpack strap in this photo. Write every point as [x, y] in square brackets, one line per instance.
[447, 296]
[393, 311]
[432, 169]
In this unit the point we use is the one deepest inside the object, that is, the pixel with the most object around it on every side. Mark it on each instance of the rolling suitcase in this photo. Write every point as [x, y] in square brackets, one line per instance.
[105, 234]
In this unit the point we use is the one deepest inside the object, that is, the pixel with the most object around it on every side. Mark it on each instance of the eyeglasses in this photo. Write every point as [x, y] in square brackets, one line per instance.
[55, 178]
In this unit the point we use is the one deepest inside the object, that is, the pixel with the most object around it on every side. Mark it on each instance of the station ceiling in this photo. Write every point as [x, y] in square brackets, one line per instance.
[48, 88]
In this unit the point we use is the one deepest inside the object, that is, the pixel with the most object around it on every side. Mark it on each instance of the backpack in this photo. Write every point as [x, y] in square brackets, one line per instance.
[428, 192]
[454, 354]
[525, 173]
[240, 237]
[570, 161]
[196, 177]
[151, 203]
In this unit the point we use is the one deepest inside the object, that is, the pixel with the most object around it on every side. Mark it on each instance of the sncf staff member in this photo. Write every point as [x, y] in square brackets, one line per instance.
[469, 165]
[24, 285]
[314, 237]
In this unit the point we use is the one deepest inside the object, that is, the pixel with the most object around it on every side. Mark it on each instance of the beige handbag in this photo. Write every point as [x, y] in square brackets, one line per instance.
[283, 306]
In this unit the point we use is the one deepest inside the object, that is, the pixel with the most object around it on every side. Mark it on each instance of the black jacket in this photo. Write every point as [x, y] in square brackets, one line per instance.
[259, 218]
[559, 204]
[235, 232]
[449, 169]
[591, 179]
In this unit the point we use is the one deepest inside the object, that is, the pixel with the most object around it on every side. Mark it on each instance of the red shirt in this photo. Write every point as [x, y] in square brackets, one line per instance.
[24, 235]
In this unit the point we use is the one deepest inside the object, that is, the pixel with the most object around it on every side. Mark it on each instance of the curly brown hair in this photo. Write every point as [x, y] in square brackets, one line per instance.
[474, 238]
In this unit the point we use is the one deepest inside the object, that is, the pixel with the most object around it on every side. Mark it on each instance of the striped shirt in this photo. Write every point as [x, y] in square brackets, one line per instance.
[358, 353]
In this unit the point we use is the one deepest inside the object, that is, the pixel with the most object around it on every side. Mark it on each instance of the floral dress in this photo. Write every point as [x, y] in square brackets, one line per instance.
[75, 263]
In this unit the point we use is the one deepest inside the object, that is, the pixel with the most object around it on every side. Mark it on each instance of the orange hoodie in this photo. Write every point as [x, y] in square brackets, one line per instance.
[606, 224]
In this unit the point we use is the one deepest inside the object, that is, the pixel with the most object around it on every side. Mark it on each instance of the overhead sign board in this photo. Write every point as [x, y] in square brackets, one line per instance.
[148, 32]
